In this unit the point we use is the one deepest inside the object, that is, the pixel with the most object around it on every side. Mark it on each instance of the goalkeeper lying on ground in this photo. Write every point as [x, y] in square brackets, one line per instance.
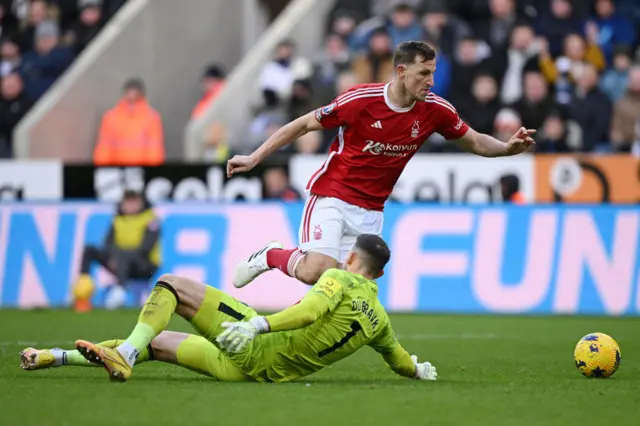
[338, 316]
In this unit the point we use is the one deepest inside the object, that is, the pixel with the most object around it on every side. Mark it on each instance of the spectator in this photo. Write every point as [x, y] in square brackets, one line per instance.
[344, 25]
[481, 109]
[510, 189]
[495, 31]
[506, 124]
[614, 81]
[280, 73]
[536, 103]
[89, 25]
[267, 121]
[216, 148]
[553, 136]
[300, 102]
[521, 56]
[131, 132]
[567, 69]
[383, 7]
[42, 67]
[345, 81]
[627, 113]
[131, 249]
[555, 27]
[404, 26]
[466, 64]
[334, 59]
[14, 105]
[611, 29]
[591, 109]
[277, 186]
[212, 84]
[11, 56]
[442, 74]
[8, 21]
[375, 66]
[309, 143]
[38, 13]
[443, 29]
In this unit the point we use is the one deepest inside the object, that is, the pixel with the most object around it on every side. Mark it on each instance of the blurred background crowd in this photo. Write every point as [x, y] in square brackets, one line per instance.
[569, 68]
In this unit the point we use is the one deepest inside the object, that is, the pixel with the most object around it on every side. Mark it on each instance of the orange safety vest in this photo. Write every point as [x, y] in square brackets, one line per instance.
[130, 134]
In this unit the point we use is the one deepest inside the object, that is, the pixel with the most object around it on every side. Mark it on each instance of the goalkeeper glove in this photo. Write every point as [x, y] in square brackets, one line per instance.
[238, 335]
[424, 370]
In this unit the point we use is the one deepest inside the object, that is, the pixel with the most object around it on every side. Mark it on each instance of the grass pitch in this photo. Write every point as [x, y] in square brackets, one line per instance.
[492, 371]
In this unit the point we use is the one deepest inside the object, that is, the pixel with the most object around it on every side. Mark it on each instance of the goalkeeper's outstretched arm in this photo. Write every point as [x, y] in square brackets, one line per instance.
[399, 360]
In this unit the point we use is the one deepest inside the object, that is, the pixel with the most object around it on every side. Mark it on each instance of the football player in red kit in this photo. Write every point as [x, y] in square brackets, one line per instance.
[381, 126]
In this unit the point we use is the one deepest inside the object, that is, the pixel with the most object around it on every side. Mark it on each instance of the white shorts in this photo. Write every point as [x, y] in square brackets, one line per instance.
[330, 226]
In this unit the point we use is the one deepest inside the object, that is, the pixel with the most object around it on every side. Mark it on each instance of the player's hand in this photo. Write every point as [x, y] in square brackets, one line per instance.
[424, 370]
[240, 164]
[238, 335]
[521, 141]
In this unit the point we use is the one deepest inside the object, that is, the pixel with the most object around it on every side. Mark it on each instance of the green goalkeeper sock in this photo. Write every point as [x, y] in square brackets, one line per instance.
[75, 358]
[154, 318]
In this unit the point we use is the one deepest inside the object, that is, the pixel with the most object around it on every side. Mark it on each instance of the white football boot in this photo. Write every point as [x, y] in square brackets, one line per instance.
[254, 265]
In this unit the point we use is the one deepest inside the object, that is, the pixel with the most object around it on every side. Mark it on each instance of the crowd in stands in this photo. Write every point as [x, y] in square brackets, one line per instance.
[39, 39]
[569, 68]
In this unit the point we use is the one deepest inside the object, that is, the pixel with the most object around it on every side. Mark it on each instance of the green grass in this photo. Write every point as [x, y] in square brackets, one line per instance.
[492, 371]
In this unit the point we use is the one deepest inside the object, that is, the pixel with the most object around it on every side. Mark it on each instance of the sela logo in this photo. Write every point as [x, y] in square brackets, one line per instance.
[415, 129]
[459, 125]
[390, 150]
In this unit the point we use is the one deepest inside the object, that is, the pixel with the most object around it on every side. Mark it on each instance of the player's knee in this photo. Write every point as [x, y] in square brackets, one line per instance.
[174, 284]
[164, 347]
[312, 266]
[189, 293]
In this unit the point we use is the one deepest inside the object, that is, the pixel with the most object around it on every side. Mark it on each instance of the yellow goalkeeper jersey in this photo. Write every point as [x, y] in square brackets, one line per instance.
[338, 316]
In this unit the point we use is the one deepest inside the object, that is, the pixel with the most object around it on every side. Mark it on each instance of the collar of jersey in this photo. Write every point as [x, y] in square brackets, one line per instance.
[392, 106]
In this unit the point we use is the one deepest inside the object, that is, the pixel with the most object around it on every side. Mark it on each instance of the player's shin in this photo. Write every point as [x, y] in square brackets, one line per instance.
[154, 318]
[284, 260]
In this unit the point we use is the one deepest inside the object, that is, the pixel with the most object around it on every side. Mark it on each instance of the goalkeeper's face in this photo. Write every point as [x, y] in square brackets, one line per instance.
[418, 77]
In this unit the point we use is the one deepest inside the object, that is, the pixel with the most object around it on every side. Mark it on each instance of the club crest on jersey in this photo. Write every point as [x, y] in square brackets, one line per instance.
[324, 111]
[415, 129]
[317, 232]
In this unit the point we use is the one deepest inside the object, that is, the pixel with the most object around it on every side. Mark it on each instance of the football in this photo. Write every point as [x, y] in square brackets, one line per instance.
[597, 355]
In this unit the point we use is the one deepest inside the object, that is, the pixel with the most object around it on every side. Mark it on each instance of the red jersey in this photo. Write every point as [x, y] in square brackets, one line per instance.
[375, 141]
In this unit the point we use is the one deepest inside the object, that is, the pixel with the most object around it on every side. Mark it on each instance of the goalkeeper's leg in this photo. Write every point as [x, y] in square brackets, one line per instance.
[38, 359]
[186, 350]
[204, 306]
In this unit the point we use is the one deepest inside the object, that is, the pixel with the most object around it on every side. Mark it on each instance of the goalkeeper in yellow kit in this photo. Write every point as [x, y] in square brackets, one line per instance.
[339, 315]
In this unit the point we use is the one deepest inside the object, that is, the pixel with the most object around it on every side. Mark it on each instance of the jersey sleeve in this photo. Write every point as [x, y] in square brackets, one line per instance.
[329, 287]
[450, 125]
[394, 355]
[322, 298]
[337, 113]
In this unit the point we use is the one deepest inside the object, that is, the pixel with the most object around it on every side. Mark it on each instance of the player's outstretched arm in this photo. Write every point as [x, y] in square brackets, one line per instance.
[488, 146]
[399, 360]
[282, 137]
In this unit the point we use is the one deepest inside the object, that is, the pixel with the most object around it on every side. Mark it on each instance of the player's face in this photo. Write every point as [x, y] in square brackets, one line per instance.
[418, 77]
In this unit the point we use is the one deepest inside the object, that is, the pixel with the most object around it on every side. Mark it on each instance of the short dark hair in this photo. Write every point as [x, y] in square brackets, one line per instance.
[134, 84]
[374, 252]
[407, 52]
